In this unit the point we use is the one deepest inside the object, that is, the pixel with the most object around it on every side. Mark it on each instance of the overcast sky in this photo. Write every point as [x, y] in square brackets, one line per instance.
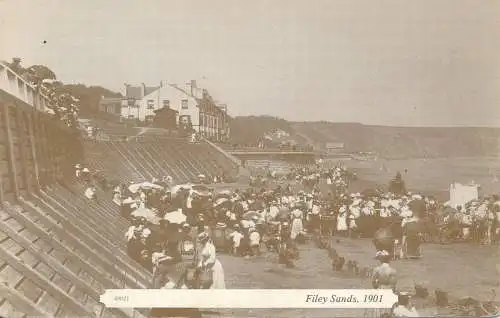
[376, 62]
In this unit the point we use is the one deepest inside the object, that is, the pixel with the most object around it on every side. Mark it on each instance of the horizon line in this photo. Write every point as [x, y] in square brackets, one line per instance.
[364, 124]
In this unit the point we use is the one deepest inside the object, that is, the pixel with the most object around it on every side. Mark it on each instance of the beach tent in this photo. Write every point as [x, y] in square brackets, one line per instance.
[461, 194]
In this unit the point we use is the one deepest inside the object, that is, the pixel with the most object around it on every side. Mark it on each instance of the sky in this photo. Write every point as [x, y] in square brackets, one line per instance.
[404, 63]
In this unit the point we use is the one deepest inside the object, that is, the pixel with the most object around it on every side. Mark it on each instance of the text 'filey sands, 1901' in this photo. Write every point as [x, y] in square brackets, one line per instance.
[317, 298]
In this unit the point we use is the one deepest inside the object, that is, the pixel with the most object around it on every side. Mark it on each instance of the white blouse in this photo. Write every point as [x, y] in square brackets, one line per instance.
[208, 255]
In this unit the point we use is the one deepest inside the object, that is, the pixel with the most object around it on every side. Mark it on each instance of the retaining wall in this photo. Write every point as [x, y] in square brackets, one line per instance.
[36, 149]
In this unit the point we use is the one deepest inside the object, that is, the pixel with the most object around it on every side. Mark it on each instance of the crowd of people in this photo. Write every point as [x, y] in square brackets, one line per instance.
[169, 221]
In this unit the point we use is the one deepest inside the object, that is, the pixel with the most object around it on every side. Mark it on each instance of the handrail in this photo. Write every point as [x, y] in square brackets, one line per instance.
[27, 88]
[239, 152]
[257, 149]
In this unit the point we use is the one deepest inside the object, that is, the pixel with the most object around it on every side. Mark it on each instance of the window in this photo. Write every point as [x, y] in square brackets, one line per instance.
[184, 104]
[166, 103]
[151, 104]
[184, 120]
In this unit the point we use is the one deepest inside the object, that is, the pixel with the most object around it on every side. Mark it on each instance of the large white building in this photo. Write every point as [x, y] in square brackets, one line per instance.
[194, 106]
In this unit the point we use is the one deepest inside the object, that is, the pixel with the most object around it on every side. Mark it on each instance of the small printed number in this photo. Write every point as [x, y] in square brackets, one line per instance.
[373, 298]
[121, 298]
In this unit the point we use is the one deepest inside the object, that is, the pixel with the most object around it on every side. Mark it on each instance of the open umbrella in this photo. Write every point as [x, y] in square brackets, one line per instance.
[250, 215]
[200, 188]
[223, 202]
[202, 193]
[149, 185]
[148, 214]
[128, 201]
[134, 187]
[223, 194]
[176, 217]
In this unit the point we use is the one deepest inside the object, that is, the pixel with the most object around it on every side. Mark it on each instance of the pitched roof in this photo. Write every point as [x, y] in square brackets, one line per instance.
[183, 91]
[110, 100]
[133, 92]
[149, 89]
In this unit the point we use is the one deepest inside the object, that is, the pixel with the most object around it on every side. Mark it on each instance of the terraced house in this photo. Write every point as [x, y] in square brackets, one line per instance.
[194, 106]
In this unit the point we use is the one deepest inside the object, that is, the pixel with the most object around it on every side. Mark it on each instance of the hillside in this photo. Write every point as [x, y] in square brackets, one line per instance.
[248, 130]
[389, 142]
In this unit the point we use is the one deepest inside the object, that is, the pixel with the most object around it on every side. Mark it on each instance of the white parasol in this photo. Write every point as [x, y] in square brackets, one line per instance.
[201, 193]
[176, 217]
[143, 185]
[148, 214]
[221, 201]
[150, 185]
[200, 188]
[134, 187]
[128, 200]
[250, 215]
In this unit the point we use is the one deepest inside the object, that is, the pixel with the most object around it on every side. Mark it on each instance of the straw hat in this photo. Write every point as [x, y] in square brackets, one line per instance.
[159, 258]
[381, 254]
[203, 237]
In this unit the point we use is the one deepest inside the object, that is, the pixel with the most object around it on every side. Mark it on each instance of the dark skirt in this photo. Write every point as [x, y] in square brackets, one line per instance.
[377, 312]
[413, 246]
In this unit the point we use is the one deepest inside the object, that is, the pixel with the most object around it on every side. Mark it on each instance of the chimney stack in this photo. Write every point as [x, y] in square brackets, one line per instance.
[191, 85]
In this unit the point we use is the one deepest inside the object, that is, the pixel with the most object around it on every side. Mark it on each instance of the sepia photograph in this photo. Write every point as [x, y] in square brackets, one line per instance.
[228, 158]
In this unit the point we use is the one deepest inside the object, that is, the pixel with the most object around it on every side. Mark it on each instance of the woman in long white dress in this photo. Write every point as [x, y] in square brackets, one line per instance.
[342, 221]
[297, 226]
[384, 277]
[208, 261]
